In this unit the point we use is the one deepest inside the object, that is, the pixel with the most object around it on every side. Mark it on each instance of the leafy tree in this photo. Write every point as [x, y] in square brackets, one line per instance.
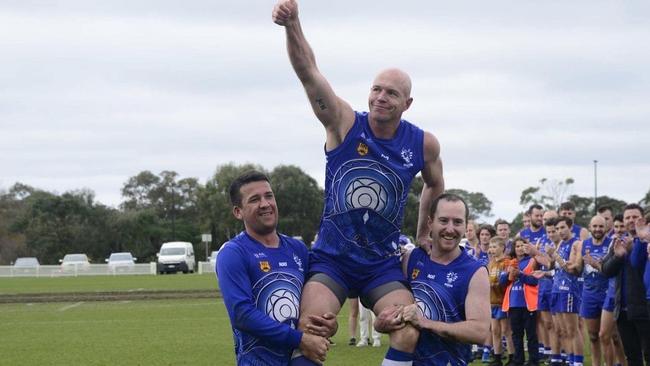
[550, 193]
[139, 191]
[478, 204]
[616, 204]
[645, 201]
[12, 244]
[517, 224]
[299, 200]
[138, 231]
[56, 225]
[214, 203]
[584, 209]
[174, 200]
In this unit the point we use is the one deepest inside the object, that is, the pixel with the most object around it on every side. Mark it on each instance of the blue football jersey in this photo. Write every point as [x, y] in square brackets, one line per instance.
[440, 292]
[366, 187]
[261, 289]
[564, 281]
[594, 280]
[534, 237]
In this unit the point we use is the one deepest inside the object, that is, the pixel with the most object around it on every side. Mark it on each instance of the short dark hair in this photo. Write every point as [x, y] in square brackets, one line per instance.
[534, 206]
[449, 197]
[565, 219]
[568, 206]
[551, 222]
[245, 178]
[618, 217]
[633, 206]
[604, 208]
[501, 222]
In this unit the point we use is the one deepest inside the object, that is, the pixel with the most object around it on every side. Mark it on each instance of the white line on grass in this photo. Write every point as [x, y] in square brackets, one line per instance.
[71, 306]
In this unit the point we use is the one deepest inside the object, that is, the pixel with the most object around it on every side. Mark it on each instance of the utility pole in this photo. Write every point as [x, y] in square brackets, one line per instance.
[595, 187]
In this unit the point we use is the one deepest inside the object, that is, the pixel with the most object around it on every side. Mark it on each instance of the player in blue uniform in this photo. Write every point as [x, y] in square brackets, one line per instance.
[261, 275]
[568, 209]
[485, 233]
[371, 160]
[607, 213]
[535, 232]
[565, 295]
[450, 289]
[548, 243]
[588, 256]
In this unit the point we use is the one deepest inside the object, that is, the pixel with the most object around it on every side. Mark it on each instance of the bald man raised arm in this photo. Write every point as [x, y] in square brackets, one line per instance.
[372, 158]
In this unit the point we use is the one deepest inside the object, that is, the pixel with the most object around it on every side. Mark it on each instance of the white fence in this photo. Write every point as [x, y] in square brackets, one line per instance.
[205, 267]
[91, 270]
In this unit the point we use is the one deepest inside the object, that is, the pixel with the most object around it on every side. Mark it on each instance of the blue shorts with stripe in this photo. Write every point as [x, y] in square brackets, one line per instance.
[565, 302]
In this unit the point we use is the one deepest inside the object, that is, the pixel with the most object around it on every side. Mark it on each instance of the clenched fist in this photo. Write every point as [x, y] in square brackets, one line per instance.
[284, 12]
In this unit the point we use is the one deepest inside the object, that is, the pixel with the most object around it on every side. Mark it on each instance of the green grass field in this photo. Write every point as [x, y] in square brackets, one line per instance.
[172, 332]
[154, 332]
[25, 285]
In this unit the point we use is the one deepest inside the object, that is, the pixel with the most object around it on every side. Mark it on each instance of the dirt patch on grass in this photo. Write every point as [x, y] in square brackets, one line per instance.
[110, 296]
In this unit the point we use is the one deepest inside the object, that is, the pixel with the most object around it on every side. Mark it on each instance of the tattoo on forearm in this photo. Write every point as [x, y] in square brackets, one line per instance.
[321, 104]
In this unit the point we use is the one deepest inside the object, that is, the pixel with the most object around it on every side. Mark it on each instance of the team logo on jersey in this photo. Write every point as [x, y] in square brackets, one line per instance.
[298, 262]
[265, 266]
[451, 278]
[362, 149]
[407, 155]
[415, 273]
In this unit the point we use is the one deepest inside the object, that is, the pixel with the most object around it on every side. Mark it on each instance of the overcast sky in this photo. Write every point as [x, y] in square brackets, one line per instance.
[93, 92]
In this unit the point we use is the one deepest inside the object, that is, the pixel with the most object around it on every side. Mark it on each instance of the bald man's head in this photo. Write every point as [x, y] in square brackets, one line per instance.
[397, 76]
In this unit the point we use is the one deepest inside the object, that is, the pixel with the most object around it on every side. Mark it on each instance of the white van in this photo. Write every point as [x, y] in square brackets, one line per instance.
[176, 256]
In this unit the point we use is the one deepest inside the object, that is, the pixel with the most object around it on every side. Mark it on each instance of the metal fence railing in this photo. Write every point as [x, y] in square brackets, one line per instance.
[78, 270]
[91, 270]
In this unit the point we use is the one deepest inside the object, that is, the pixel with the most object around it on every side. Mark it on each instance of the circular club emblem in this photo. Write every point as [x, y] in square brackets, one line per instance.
[364, 183]
[282, 304]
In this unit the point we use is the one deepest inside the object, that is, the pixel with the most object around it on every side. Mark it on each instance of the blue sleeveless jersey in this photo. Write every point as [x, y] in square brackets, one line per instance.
[367, 181]
[440, 292]
[545, 284]
[533, 237]
[483, 258]
[261, 289]
[563, 281]
[594, 280]
[575, 229]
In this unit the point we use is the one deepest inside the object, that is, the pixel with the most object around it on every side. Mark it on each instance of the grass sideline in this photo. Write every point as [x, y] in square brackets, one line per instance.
[174, 332]
[37, 285]
[153, 332]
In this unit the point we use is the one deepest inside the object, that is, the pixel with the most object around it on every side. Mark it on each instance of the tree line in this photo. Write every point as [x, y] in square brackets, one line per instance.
[157, 208]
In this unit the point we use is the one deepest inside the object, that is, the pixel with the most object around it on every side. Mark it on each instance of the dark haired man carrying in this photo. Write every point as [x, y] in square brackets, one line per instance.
[261, 274]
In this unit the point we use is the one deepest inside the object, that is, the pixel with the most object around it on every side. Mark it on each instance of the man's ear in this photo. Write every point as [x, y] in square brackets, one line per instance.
[236, 211]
